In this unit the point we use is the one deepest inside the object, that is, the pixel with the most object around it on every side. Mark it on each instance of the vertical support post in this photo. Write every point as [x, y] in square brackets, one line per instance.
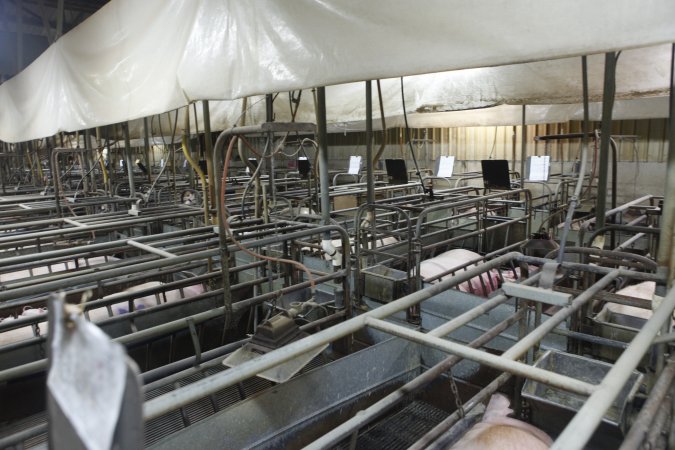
[220, 208]
[88, 156]
[19, 35]
[323, 154]
[56, 179]
[128, 160]
[208, 151]
[59, 18]
[666, 252]
[3, 163]
[576, 196]
[269, 117]
[606, 130]
[370, 177]
[523, 149]
[146, 144]
[45, 22]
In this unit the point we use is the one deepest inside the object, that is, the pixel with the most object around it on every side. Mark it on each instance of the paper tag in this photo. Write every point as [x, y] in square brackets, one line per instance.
[87, 379]
[446, 166]
[539, 168]
[354, 165]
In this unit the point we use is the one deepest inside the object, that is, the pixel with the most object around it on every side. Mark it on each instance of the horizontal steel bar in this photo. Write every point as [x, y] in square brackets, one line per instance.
[580, 429]
[150, 249]
[536, 294]
[202, 388]
[497, 362]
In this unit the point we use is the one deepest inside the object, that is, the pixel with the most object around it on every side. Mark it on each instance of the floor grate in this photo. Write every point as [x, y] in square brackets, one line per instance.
[401, 429]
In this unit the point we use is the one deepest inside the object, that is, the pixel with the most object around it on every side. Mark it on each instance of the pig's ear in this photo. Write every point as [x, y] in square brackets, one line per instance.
[497, 407]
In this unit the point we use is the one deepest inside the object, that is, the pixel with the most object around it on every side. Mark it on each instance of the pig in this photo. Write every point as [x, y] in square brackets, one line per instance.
[457, 258]
[56, 267]
[100, 313]
[497, 431]
[151, 300]
[644, 290]
[15, 335]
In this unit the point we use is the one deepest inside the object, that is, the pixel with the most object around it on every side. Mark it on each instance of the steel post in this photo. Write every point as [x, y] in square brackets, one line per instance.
[607, 106]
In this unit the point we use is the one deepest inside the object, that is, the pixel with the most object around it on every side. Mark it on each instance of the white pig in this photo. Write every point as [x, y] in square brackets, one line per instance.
[56, 267]
[151, 300]
[457, 258]
[644, 290]
[15, 335]
[497, 431]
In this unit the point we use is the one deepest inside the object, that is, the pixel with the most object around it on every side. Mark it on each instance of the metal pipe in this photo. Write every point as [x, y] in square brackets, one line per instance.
[583, 425]
[504, 362]
[661, 422]
[608, 254]
[19, 35]
[607, 105]
[175, 325]
[582, 169]
[595, 269]
[666, 251]
[15, 239]
[322, 136]
[469, 201]
[536, 335]
[643, 422]
[129, 161]
[13, 262]
[150, 249]
[427, 441]
[626, 228]
[208, 152]
[174, 371]
[173, 400]
[147, 148]
[476, 312]
[380, 407]
[523, 147]
[628, 242]
[370, 177]
[94, 276]
[56, 179]
[269, 118]
[13, 440]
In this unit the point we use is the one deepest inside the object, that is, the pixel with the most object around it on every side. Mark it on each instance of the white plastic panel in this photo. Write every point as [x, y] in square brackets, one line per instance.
[134, 58]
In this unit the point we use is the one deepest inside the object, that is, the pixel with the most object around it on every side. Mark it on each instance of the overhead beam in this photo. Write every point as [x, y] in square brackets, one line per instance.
[59, 18]
[45, 22]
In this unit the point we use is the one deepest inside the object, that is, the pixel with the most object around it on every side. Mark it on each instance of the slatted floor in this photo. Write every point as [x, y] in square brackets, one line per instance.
[176, 420]
[399, 430]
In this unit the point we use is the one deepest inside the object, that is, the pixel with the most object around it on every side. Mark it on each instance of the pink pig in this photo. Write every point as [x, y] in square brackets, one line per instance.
[497, 431]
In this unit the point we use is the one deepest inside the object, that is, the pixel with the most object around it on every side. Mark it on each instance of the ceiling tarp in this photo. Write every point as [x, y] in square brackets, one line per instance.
[471, 97]
[133, 59]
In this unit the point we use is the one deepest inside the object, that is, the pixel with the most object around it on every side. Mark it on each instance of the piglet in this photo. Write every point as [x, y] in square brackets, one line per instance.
[497, 431]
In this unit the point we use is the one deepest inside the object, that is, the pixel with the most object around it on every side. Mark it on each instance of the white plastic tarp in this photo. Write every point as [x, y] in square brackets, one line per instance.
[471, 97]
[136, 58]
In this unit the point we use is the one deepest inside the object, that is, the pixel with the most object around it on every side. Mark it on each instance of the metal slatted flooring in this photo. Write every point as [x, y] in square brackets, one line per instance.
[163, 426]
[401, 429]
[24, 424]
[179, 419]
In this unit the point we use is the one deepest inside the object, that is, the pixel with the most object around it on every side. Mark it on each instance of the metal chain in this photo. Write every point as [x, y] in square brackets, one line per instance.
[455, 393]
